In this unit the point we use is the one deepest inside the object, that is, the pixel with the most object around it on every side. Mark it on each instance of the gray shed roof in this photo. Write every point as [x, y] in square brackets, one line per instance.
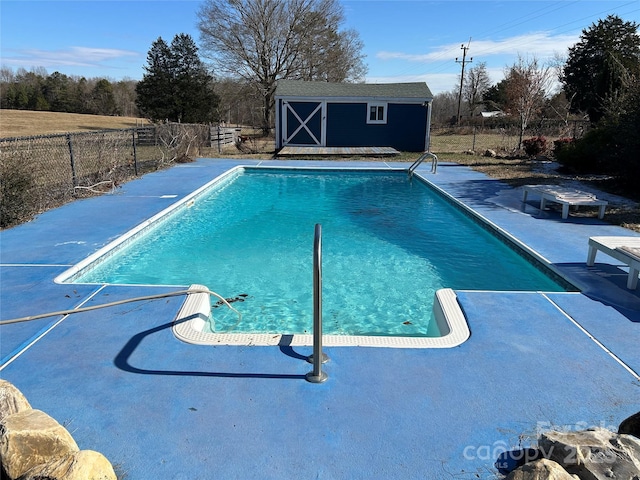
[299, 88]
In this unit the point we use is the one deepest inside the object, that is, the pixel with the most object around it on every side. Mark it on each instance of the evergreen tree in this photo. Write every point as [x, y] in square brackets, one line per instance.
[495, 97]
[102, 98]
[176, 85]
[56, 92]
[194, 99]
[81, 96]
[600, 64]
[155, 90]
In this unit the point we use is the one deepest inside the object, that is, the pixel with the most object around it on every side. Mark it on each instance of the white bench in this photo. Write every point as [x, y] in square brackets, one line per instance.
[567, 197]
[624, 249]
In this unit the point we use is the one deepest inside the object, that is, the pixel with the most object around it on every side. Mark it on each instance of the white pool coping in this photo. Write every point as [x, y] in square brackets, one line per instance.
[192, 317]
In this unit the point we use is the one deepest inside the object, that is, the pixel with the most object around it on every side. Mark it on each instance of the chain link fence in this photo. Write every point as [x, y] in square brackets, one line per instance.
[503, 139]
[44, 172]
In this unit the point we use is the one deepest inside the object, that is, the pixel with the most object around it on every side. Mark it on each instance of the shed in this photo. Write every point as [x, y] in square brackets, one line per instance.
[323, 114]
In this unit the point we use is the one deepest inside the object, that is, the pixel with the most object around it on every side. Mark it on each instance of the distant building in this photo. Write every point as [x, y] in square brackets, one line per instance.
[496, 113]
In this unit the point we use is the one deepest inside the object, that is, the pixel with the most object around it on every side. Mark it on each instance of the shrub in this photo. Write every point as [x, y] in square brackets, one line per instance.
[586, 155]
[562, 144]
[16, 204]
[534, 146]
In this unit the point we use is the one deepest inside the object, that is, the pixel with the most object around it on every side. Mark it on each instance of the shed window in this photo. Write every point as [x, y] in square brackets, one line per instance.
[376, 113]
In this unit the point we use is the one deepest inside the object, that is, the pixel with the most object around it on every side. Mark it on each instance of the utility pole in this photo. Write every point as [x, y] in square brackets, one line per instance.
[463, 62]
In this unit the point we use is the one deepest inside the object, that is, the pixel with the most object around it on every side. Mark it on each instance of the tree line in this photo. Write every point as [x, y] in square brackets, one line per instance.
[57, 92]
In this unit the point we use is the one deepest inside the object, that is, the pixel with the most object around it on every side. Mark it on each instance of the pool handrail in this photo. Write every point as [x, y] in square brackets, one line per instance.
[317, 358]
[421, 158]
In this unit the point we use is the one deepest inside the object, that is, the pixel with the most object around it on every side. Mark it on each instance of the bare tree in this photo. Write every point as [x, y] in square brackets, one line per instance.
[527, 85]
[444, 108]
[476, 85]
[327, 54]
[238, 101]
[6, 75]
[124, 93]
[263, 41]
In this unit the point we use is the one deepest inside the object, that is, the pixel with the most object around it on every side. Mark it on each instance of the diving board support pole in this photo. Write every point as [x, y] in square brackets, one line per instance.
[317, 358]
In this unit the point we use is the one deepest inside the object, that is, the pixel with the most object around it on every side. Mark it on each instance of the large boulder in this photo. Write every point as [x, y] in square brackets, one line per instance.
[631, 425]
[29, 438]
[82, 465]
[490, 153]
[594, 454]
[11, 400]
[540, 470]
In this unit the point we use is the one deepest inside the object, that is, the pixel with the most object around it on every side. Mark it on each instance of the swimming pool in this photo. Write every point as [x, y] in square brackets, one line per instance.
[389, 244]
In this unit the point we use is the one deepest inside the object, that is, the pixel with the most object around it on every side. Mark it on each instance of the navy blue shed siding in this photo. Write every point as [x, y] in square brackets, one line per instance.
[405, 128]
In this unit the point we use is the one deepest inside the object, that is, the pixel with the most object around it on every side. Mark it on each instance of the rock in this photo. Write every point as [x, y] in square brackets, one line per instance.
[82, 465]
[29, 438]
[540, 470]
[490, 153]
[512, 459]
[11, 400]
[594, 454]
[631, 425]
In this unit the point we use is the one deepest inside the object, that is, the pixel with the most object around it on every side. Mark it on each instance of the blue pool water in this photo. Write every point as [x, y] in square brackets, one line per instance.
[388, 245]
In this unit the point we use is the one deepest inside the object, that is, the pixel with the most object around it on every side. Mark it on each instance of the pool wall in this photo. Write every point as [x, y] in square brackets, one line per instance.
[190, 321]
[533, 257]
[95, 259]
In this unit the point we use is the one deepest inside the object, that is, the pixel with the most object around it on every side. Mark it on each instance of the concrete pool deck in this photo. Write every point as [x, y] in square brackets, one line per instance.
[123, 385]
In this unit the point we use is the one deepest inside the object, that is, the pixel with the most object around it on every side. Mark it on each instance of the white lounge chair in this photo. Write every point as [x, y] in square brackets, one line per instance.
[624, 249]
[565, 196]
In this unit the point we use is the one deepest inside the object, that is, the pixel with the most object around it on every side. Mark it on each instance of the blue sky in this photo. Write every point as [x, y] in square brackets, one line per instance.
[403, 40]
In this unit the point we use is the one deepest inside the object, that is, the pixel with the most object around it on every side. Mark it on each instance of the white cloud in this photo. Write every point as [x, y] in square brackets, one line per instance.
[497, 54]
[539, 44]
[73, 56]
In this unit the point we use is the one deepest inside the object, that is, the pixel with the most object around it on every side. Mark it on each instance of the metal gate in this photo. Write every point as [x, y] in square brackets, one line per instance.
[304, 123]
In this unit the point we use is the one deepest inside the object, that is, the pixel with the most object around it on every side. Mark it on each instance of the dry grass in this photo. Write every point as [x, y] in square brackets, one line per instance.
[25, 123]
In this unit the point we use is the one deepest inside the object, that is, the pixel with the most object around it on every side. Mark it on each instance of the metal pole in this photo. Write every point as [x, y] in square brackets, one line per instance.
[464, 56]
[473, 146]
[318, 358]
[73, 163]
[135, 153]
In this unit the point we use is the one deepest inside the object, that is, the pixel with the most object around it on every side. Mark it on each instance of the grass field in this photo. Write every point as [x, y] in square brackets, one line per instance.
[25, 123]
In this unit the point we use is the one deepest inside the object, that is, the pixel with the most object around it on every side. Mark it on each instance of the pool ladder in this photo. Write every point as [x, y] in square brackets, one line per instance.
[416, 164]
[317, 358]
